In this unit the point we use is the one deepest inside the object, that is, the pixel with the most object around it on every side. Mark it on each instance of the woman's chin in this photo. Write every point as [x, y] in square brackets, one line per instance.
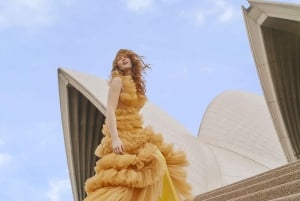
[126, 70]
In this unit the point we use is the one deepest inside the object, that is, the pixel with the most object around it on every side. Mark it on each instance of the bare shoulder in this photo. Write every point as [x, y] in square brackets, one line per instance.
[116, 83]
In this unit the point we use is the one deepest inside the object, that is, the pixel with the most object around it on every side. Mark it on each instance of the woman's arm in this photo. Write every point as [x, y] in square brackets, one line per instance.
[112, 103]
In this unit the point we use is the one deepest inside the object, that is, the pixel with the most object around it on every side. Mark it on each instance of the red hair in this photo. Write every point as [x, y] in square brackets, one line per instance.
[137, 70]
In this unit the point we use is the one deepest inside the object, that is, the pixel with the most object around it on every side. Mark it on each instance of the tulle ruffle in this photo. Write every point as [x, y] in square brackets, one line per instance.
[133, 171]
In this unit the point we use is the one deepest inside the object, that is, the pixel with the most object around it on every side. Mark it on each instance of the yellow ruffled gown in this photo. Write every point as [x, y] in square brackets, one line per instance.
[150, 170]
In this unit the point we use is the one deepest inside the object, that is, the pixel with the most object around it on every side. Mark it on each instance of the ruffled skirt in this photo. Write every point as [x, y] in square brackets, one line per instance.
[154, 172]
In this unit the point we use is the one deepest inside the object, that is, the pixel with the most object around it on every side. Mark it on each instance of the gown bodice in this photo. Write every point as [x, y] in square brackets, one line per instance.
[128, 119]
[130, 102]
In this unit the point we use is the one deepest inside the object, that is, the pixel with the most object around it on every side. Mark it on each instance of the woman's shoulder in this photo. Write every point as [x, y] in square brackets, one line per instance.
[116, 81]
[115, 78]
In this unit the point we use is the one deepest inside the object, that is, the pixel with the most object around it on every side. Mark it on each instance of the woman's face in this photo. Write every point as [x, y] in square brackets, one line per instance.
[123, 62]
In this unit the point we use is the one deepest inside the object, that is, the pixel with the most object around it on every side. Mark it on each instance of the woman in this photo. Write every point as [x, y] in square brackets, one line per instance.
[135, 164]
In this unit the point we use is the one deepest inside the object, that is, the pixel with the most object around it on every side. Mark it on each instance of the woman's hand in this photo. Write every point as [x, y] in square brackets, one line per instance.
[117, 145]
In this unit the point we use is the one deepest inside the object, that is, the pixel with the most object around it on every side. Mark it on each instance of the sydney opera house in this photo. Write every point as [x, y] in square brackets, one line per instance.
[248, 146]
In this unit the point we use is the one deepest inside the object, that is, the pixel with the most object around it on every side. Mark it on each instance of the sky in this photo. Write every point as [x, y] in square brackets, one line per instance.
[197, 50]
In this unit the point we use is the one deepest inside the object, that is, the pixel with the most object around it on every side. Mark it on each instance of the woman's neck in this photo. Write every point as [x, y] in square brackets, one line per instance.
[126, 71]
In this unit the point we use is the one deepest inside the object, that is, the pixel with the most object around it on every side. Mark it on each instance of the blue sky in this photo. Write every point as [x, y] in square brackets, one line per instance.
[197, 49]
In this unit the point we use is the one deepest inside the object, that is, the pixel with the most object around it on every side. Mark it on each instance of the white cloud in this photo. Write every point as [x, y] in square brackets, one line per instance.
[200, 17]
[220, 10]
[28, 13]
[225, 10]
[5, 159]
[57, 188]
[169, 2]
[139, 5]
[227, 15]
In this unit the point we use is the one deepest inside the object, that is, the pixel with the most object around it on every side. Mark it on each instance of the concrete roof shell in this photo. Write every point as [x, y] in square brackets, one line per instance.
[274, 35]
[238, 129]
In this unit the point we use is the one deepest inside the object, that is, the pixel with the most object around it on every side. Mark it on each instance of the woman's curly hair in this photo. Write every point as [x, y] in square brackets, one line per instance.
[137, 70]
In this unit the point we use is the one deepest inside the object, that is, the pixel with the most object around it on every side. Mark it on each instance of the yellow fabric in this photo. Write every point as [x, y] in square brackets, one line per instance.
[168, 190]
[140, 173]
